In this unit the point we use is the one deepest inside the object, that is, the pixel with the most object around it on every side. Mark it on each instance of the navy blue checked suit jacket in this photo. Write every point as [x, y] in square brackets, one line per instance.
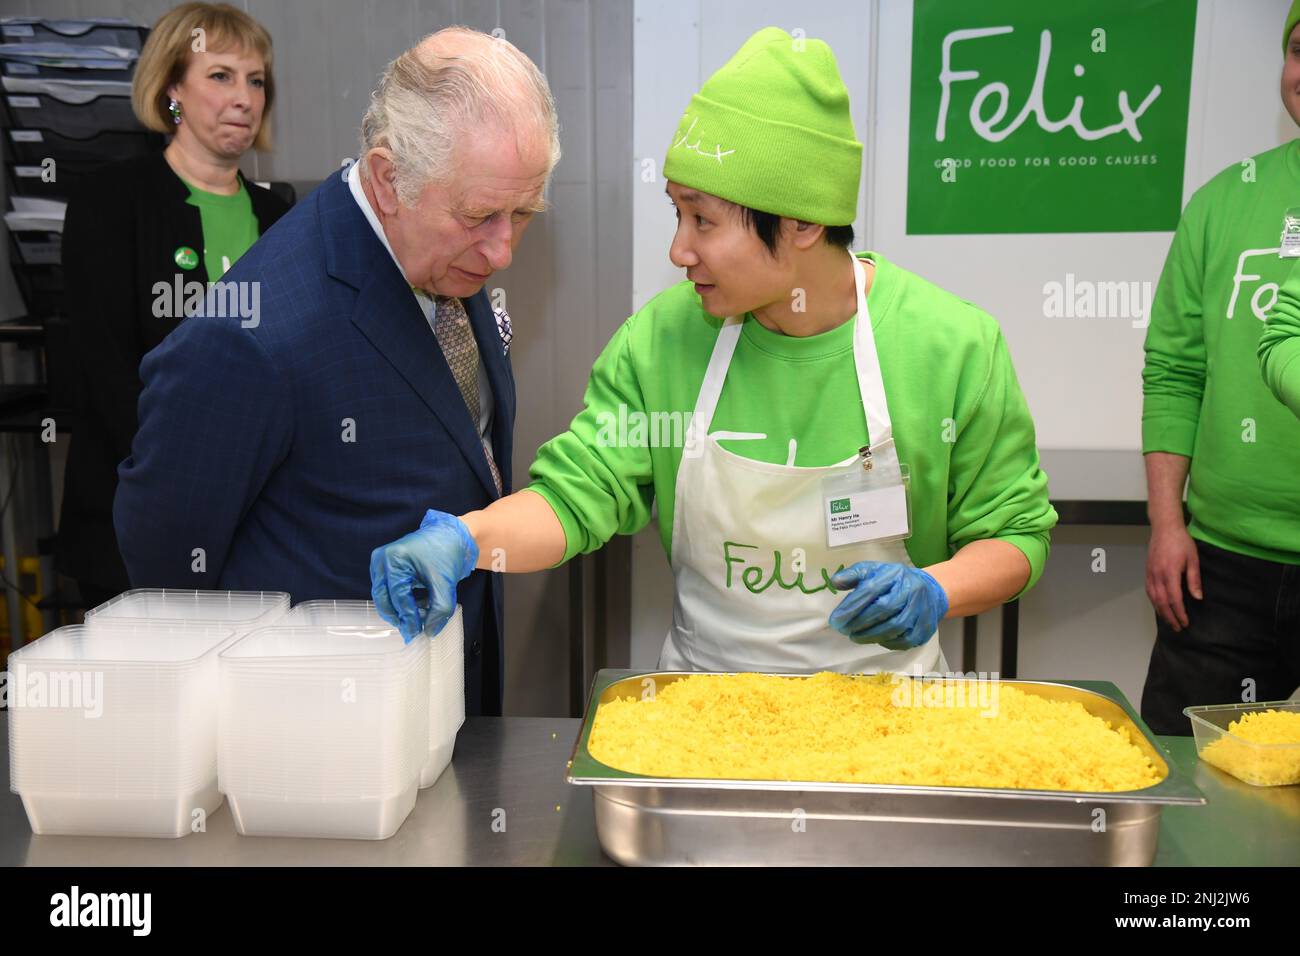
[243, 447]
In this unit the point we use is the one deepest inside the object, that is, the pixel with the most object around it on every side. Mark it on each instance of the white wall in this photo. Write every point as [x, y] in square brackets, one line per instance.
[1081, 377]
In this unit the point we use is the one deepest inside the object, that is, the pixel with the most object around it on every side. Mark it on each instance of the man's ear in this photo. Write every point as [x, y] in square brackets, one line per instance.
[383, 174]
[802, 235]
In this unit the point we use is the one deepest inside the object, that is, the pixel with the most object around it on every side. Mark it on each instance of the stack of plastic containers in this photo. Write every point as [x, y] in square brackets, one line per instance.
[115, 728]
[446, 672]
[315, 722]
[112, 729]
[324, 730]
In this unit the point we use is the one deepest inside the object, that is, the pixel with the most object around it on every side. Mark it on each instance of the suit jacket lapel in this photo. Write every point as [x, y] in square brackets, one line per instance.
[387, 314]
[483, 321]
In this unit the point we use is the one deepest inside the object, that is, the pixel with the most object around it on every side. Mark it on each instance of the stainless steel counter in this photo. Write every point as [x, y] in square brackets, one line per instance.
[510, 771]
[506, 771]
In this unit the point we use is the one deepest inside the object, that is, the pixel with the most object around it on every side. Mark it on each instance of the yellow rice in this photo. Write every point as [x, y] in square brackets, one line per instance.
[1259, 760]
[837, 728]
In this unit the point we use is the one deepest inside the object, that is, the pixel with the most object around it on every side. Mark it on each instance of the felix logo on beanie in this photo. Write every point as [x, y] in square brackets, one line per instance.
[777, 109]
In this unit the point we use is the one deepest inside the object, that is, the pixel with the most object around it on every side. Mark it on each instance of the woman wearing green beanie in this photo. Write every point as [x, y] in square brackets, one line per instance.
[793, 410]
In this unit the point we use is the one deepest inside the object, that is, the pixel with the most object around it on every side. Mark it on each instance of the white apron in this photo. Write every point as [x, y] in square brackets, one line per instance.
[740, 604]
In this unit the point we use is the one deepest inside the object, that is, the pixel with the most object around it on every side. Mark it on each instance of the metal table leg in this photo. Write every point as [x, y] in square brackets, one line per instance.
[8, 531]
[1010, 638]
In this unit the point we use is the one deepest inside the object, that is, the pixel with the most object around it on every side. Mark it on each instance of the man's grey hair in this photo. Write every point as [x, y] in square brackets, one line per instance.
[425, 102]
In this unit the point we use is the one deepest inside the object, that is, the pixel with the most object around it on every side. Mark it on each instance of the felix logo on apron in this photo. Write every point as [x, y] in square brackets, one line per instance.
[750, 574]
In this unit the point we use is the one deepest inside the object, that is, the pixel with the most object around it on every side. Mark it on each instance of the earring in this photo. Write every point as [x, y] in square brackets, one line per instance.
[175, 109]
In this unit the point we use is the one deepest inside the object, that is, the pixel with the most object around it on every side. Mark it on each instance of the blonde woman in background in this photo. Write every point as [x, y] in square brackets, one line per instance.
[204, 78]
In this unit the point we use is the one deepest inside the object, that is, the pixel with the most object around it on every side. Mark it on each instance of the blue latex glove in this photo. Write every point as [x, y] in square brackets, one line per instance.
[436, 556]
[889, 604]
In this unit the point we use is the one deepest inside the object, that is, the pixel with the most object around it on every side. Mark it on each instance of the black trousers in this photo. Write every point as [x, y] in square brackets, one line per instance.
[1244, 638]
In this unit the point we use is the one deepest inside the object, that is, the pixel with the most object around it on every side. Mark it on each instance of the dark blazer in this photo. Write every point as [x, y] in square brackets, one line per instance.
[120, 237]
[289, 446]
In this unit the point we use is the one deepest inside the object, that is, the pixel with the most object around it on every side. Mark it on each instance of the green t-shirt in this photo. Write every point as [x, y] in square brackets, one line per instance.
[1204, 396]
[960, 421]
[822, 372]
[229, 227]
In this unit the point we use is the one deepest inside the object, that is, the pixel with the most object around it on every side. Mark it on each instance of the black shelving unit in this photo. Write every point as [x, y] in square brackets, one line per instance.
[65, 109]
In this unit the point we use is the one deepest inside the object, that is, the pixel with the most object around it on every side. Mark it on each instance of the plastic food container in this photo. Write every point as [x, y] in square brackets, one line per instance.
[242, 610]
[1260, 765]
[324, 730]
[113, 729]
[446, 696]
[446, 672]
[323, 613]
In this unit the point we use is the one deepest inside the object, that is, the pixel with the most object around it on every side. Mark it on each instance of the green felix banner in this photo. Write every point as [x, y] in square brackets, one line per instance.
[1048, 117]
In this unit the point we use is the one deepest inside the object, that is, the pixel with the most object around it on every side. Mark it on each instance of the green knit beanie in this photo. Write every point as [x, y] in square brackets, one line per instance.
[1292, 18]
[772, 130]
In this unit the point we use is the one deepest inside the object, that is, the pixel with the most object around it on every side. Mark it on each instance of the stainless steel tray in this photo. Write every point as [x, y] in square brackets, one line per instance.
[644, 820]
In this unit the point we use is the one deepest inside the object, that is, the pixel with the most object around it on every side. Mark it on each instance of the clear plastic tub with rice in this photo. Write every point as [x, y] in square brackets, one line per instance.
[1258, 743]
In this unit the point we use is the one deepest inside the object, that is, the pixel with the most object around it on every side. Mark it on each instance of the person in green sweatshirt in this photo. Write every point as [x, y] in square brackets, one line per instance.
[1226, 586]
[785, 407]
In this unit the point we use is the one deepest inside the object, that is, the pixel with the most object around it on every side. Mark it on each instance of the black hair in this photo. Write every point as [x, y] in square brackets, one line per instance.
[766, 225]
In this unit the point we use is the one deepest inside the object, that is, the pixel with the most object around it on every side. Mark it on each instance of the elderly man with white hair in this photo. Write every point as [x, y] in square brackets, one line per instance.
[351, 370]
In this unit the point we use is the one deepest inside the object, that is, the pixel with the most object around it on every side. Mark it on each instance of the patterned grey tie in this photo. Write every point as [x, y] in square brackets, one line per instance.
[456, 338]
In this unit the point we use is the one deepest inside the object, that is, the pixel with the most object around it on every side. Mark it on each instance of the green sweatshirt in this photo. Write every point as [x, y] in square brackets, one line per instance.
[1279, 345]
[1204, 396]
[960, 421]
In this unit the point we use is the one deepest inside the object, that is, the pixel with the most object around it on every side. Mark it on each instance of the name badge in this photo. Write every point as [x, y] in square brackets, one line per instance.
[863, 505]
[1289, 248]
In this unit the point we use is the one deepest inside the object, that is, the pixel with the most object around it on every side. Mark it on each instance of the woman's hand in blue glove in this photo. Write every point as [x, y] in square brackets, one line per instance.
[888, 604]
[436, 556]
